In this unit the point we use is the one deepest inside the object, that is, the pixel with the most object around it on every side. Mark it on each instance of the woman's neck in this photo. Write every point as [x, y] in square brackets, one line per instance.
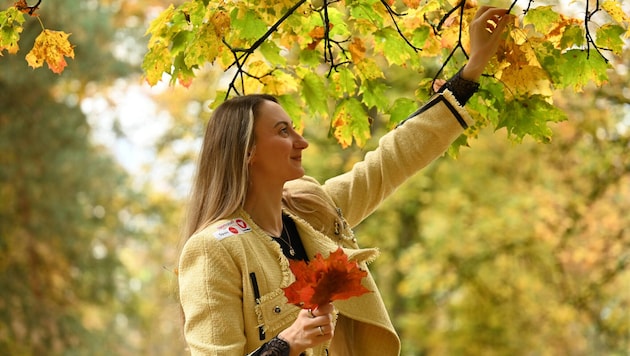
[265, 208]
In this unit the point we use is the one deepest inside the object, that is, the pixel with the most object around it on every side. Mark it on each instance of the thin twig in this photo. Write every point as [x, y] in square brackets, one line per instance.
[240, 60]
[393, 13]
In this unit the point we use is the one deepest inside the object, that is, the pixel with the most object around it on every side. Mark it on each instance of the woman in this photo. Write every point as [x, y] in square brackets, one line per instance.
[252, 209]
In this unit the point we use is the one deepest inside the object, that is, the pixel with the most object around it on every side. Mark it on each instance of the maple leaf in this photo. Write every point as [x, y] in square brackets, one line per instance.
[351, 121]
[11, 22]
[357, 49]
[324, 280]
[51, 47]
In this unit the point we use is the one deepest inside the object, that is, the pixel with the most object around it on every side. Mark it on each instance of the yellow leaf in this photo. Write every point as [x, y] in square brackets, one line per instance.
[526, 79]
[613, 8]
[51, 47]
[221, 22]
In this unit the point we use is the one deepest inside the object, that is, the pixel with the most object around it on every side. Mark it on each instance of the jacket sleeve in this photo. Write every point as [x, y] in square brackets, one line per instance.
[402, 152]
[210, 289]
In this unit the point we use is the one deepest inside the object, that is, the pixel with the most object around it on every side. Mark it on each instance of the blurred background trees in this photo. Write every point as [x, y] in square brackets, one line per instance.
[80, 245]
[510, 249]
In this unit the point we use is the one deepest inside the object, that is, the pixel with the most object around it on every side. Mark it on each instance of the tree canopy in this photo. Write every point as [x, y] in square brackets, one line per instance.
[334, 59]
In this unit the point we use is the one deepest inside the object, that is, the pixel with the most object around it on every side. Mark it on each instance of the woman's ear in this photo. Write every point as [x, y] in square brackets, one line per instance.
[251, 154]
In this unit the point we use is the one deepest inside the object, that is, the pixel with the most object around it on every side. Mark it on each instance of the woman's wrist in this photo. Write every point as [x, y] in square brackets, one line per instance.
[471, 71]
[463, 89]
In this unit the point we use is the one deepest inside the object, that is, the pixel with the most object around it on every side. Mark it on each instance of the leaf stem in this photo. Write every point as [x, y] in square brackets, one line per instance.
[41, 23]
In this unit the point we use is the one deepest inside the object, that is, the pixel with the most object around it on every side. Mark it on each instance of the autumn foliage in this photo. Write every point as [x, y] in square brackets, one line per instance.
[324, 280]
[51, 47]
[352, 63]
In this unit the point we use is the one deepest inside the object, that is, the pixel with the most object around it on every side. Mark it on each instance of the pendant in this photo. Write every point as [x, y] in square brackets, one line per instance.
[291, 251]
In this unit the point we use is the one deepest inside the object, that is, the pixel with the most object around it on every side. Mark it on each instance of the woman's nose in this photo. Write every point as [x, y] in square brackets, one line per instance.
[300, 142]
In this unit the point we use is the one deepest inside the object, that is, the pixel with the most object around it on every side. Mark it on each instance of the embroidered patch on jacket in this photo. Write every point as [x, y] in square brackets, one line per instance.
[231, 228]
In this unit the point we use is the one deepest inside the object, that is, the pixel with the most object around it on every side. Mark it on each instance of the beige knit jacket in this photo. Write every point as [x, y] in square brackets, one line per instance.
[225, 314]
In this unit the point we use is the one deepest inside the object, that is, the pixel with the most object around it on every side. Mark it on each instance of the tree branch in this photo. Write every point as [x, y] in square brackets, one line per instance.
[240, 60]
[393, 13]
[589, 39]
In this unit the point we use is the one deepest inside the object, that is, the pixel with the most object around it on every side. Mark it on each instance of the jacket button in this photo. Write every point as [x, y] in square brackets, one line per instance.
[277, 309]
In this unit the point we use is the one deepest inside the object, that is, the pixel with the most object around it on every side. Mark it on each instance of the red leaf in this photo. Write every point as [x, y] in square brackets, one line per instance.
[325, 280]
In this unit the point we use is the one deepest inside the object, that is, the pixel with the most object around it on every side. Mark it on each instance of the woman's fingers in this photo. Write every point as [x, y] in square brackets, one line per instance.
[321, 323]
[486, 31]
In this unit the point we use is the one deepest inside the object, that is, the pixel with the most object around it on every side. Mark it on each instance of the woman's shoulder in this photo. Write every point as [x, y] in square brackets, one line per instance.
[303, 183]
[220, 232]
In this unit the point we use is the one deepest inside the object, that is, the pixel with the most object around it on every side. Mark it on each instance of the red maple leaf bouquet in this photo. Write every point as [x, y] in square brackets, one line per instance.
[324, 280]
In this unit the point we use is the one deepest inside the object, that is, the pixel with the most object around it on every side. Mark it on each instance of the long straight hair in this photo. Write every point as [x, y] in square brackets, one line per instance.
[222, 176]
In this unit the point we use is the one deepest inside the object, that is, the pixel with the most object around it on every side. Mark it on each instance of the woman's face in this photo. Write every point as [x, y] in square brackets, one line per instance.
[277, 153]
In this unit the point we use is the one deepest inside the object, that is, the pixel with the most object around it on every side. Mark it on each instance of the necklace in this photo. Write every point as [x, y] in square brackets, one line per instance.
[288, 241]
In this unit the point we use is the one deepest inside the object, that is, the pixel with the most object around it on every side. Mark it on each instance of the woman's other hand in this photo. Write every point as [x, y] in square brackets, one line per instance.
[312, 327]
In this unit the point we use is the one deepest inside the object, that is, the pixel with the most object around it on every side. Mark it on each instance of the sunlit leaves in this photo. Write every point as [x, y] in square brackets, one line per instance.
[613, 8]
[401, 109]
[202, 46]
[314, 93]
[350, 121]
[575, 68]
[344, 82]
[521, 80]
[529, 116]
[375, 93]
[573, 35]
[389, 44]
[11, 21]
[611, 37]
[271, 51]
[543, 18]
[247, 23]
[346, 49]
[51, 47]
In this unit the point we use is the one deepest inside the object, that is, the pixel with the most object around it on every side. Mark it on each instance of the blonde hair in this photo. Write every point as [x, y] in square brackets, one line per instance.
[221, 180]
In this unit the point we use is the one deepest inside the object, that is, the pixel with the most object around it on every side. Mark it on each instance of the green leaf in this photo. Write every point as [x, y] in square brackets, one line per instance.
[369, 69]
[389, 43]
[420, 35]
[195, 11]
[544, 18]
[181, 41]
[573, 36]
[314, 93]
[294, 109]
[181, 72]
[611, 37]
[310, 57]
[247, 24]
[530, 116]
[576, 68]
[453, 149]
[350, 122]
[340, 22]
[364, 10]
[271, 51]
[344, 82]
[485, 103]
[374, 94]
[157, 61]
[11, 21]
[203, 47]
[160, 25]
[401, 109]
